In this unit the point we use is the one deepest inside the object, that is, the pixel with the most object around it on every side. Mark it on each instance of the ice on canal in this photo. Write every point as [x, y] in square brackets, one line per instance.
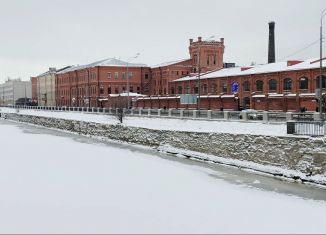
[53, 182]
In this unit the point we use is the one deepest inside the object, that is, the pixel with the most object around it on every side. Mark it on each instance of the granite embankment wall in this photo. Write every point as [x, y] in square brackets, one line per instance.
[306, 155]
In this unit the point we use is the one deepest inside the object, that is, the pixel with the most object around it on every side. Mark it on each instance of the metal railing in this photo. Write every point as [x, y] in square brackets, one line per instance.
[280, 117]
[310, 128]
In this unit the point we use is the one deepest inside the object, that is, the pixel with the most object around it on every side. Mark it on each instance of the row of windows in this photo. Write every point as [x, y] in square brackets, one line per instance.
[67, 80]
[116, 75]
[287, 84]
[93, 90]
[210, 60]
[166, 73]
[259, 86]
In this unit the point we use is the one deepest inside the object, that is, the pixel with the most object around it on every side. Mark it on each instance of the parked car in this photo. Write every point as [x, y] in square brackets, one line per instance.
[252, 114]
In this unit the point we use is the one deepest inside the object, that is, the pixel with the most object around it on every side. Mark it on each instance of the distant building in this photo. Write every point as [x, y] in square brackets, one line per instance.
[14, 89]
[43, 88]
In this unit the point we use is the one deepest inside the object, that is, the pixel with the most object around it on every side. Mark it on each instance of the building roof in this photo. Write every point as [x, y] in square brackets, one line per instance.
[169, 63]
[111, 62]
[259, 69]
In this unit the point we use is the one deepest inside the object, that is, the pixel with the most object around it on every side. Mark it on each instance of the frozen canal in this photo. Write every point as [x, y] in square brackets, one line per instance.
[53, 182]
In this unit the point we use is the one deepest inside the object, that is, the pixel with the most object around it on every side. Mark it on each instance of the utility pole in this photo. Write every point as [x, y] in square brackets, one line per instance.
[321, 66]
[128, 86]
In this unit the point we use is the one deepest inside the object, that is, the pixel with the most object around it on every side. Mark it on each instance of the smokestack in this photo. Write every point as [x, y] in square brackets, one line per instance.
[271, 43]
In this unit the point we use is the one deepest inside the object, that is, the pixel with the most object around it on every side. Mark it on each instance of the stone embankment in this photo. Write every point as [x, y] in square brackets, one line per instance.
[295, 157]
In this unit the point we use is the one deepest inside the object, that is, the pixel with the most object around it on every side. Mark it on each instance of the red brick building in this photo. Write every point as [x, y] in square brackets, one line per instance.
[281, 86]
[89, 85]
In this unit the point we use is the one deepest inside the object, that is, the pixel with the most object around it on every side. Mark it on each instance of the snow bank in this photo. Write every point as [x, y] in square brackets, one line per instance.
[232, 127]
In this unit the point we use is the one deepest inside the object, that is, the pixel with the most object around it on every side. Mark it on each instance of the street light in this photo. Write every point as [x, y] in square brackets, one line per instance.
[128, 88]
[323, 14]
[199, 71]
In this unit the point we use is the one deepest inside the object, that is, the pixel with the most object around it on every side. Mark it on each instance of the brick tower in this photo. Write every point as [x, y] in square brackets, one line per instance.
[206, 55]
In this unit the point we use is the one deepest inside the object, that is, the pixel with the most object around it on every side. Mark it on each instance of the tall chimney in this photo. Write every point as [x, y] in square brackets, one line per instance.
[271, 43]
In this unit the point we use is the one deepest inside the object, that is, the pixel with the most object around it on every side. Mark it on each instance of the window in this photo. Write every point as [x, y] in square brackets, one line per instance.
[146, 76]
[172, 90]
[272, 85]
[116, 90]
[116, 75]
[213, 88]
[109, 90]
[204, 89]
[138, 89]
[259, 85]
[323, 81]
[187, 90]
[131, 75]
[196, 89]
[179, 89]
[123, 88]
[124, 75]
[287, 85]
[303, 83]
[224, 87]
[101, 90]
[246, 86]
[131, 89]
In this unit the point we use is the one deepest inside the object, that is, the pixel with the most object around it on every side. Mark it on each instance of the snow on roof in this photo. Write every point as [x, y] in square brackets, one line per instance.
[168, 63]
[131, 94]
[259, 69]
[112, 62]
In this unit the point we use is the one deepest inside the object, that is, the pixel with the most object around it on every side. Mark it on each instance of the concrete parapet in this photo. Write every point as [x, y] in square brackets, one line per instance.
[288, 116]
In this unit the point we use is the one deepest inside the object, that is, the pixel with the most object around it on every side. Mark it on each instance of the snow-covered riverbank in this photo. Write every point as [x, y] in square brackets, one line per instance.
[72, 184]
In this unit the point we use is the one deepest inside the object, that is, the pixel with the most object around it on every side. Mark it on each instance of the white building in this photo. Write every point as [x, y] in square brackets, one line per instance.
[14, 89]
[46, 88]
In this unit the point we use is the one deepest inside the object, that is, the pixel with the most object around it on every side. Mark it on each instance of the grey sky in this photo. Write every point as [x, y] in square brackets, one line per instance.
[37, 34]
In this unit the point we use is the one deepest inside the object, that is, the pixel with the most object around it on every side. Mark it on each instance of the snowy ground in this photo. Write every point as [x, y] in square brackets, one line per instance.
[255, 128]
[53, 182]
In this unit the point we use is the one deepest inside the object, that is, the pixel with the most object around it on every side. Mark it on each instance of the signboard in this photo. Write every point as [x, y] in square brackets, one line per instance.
[235, 87]
[188, 99]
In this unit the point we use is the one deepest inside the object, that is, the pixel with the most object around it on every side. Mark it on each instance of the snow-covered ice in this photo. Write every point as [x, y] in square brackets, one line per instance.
[53, 182]
[254, 128]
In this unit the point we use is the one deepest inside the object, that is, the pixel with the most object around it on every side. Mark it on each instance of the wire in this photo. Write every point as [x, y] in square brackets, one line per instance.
[297, 52]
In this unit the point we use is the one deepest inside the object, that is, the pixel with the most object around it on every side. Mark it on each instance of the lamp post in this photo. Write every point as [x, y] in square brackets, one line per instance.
[321, 64]
[199, 71]
[128, 86]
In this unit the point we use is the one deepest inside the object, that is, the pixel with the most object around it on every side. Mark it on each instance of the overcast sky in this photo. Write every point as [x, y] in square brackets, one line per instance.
[37, 34]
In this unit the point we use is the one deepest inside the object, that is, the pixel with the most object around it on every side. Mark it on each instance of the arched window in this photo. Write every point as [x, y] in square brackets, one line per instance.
[323, 80]
[224, 87]
[213, 88]
[287, 85]
[272, 85]
[259, 85]
[303, 83]
[246, 86]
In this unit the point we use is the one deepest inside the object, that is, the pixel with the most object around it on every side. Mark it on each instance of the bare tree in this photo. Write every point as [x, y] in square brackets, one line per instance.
[120, 104]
